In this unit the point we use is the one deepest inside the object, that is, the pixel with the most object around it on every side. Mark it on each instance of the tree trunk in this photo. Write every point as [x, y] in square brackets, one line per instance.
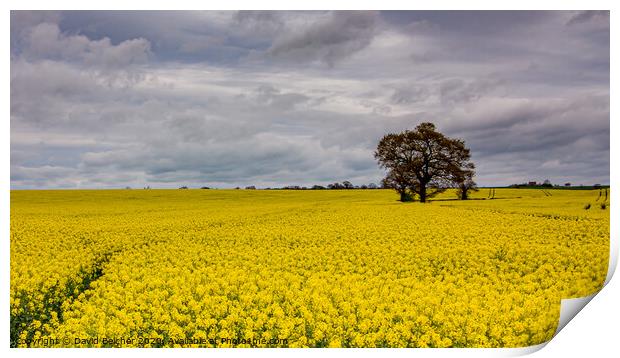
[422, 193]
[403, 196]
[463, 194]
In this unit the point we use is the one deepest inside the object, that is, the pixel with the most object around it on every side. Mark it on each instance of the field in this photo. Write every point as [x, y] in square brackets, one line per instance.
[352, 268]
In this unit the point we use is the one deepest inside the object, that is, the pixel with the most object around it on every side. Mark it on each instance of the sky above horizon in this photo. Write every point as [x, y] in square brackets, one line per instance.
[109, 99]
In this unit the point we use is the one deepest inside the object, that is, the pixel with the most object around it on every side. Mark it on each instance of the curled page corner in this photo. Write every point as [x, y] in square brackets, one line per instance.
[516, 352]
[569, 307]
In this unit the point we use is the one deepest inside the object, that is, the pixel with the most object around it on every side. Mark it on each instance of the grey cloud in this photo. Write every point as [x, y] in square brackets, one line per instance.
[377, 108]
[410, 94]
[261, 155]
[468, 22]
[23, 21]
[328, 40]
[533, 134]
[261, 23]
[269, 95]
[600, 16]
[530, 125]
[45, 40]
[219, 37]
[454, 91]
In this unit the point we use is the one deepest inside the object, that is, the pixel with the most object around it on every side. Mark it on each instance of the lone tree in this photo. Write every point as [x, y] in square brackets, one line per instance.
[424, 162]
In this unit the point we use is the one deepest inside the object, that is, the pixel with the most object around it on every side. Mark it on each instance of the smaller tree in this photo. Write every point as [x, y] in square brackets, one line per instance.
[399, 180]
[347, 184]
[465, 184]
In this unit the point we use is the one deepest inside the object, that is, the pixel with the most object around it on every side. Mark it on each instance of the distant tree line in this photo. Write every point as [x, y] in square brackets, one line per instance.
[333, 186]
[547, 185]
[345, 185]
[544, 184]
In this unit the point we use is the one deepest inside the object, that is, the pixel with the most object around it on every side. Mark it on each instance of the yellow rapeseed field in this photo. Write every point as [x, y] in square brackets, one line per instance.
[352, 268]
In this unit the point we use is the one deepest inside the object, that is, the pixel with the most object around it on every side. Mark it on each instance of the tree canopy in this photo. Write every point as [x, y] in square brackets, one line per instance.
[424, 163]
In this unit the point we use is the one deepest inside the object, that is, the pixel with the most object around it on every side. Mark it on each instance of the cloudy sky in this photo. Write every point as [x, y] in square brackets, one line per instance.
[112, 99]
